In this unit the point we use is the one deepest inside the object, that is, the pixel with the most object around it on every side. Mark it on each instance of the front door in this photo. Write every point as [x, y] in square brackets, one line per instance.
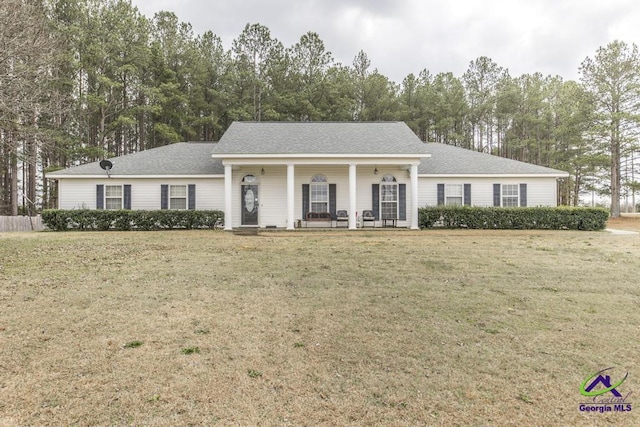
[249, 204]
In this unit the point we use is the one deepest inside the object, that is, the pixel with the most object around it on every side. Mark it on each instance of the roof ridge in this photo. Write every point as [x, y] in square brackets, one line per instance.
[316, 122]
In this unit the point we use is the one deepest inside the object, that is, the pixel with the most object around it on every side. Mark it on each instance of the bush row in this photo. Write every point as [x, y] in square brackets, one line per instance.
[86, 219]
[539, 218]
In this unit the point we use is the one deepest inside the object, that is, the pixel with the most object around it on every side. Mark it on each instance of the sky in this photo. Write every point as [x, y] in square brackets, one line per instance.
[400, 37]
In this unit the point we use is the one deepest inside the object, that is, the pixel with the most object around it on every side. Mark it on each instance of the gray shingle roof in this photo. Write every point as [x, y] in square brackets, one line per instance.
[451, 160]
[318, 138]
[194, 158]
[183, 158]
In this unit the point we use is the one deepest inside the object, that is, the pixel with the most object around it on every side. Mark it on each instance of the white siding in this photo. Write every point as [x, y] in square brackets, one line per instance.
[145, 193]
[273, 189]
[540, 191]
[77, 194]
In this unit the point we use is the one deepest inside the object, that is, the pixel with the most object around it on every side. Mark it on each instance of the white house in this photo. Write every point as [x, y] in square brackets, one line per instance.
[282, 174]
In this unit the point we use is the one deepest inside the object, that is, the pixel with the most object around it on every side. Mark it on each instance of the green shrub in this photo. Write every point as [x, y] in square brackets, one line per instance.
[124, 220]
[538, 218]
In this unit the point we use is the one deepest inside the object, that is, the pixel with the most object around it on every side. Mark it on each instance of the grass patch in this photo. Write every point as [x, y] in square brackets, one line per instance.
[397, 327]
[525, 398]
[253, 373]
[190, 350]
[133, 344]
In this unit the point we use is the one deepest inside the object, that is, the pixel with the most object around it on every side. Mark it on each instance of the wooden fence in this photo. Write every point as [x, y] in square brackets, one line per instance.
[21, 223]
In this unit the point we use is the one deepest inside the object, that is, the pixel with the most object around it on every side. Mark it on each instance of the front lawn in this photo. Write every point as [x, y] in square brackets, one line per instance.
[381, 327]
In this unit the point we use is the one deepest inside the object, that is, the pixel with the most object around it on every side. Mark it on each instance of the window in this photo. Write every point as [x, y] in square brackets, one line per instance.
[113, 197]
[510, 195]
[177, 197]
[319, 197]
[388, 197]
[454, 194]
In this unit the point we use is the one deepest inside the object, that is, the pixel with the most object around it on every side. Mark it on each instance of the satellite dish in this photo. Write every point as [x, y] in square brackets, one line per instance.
[106, 165]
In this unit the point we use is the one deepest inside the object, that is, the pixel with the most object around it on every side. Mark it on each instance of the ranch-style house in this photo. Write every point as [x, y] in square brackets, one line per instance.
[286, 175]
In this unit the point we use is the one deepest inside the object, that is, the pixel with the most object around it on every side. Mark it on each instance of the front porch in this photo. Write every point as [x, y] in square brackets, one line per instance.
[268, 193]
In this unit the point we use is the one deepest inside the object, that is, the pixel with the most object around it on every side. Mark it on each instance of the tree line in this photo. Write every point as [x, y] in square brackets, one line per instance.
[81, 80]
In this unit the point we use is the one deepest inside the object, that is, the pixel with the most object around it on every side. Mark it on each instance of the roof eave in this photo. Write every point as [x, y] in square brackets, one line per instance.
[494, 175]
[113, 176]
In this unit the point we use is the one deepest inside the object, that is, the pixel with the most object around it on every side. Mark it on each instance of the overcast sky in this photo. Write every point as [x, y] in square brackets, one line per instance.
[407, 36]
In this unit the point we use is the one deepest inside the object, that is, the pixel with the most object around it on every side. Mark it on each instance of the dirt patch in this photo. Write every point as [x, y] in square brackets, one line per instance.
[623, 223]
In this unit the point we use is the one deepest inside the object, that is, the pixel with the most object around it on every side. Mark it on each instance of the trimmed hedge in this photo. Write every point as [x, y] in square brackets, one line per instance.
[538, 218]
[123, 220]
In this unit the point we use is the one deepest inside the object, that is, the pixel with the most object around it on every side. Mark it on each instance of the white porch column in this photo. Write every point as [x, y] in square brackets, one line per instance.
[414, 197]
[352, 196]
[290, 195]
[228, 188]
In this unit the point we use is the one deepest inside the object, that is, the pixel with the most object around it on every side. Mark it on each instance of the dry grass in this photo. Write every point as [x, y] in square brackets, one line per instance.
[317, 328]
[632, 224]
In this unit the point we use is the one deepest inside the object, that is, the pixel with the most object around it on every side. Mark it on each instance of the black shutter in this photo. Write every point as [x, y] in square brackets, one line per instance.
[402, 202]
[375, 200]
[192, 197]
[332, 200]
[440, 194]
[467, 194]
[127, 196]
[496, 194]
[164, 196]
[523, 195]
[305, 201]
[99, 196]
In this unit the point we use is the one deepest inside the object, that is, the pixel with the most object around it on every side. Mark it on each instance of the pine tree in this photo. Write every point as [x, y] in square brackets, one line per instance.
[613, 77]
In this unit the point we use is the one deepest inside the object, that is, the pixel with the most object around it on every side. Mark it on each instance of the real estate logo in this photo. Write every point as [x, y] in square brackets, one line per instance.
[604, 394]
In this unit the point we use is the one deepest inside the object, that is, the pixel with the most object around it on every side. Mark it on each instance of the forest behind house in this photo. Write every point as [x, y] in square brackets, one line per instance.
[81, 80]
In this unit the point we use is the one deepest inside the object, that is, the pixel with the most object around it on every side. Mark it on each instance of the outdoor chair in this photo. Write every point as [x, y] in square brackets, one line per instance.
[342, 216]
[367, 216]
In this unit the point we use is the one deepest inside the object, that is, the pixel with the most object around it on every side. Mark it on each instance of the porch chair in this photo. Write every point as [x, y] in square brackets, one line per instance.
[342, 216]
[367, 216]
